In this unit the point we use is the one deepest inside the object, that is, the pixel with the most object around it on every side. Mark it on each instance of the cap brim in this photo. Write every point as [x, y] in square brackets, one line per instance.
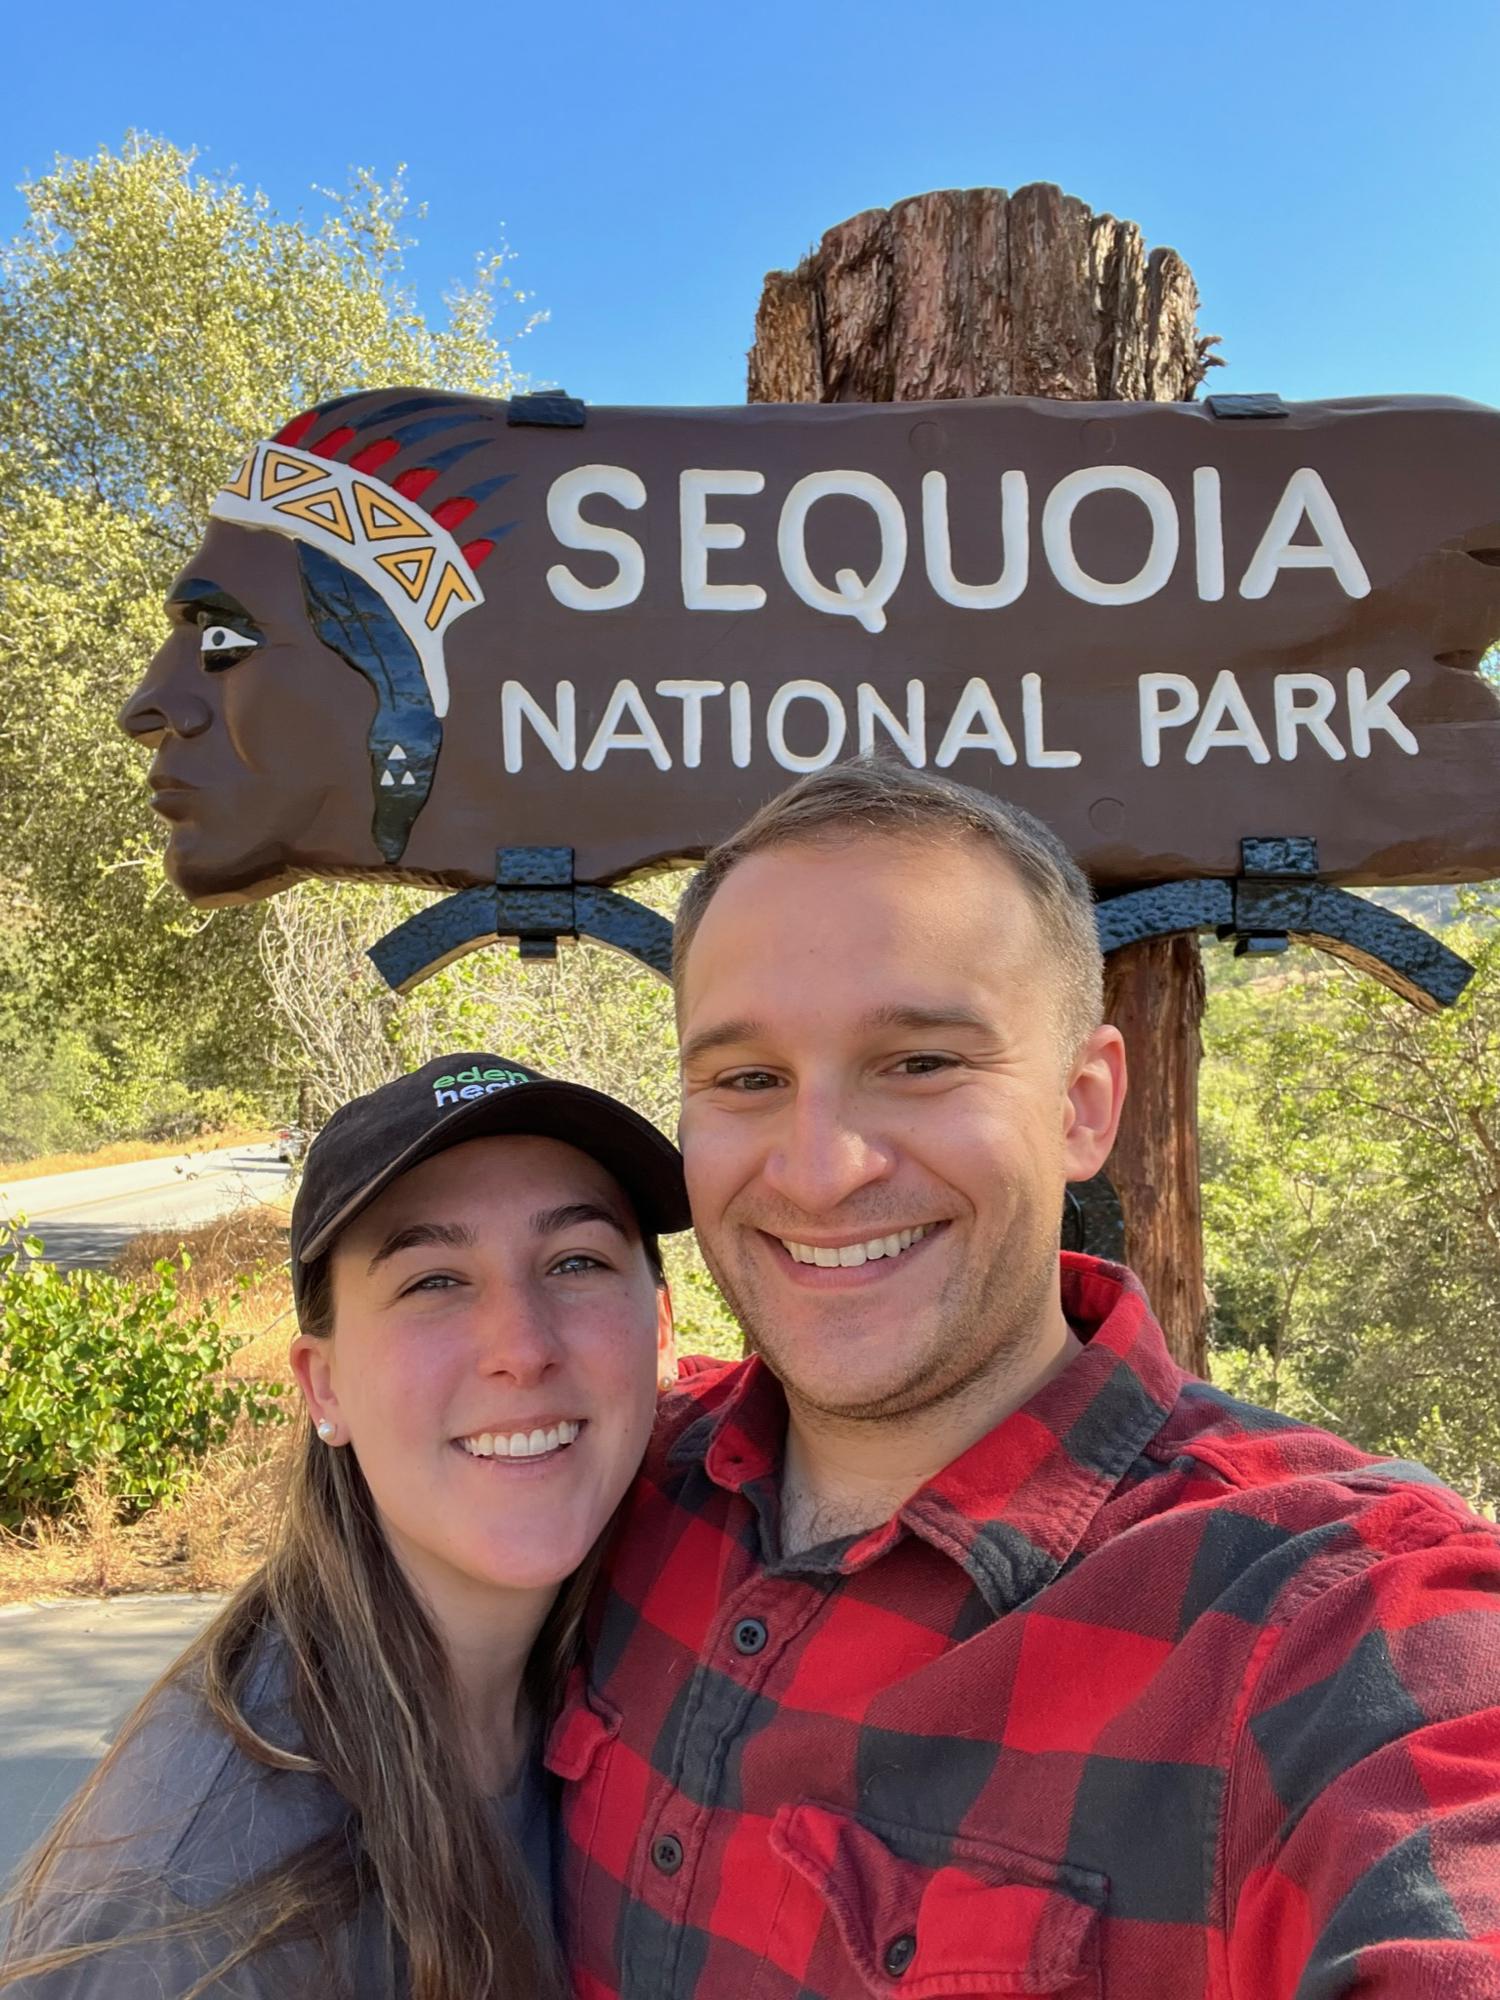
[647, 1165]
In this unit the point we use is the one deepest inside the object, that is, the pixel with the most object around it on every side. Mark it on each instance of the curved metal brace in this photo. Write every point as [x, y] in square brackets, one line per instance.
[536, 916]
[1264, 912]
[626, 924]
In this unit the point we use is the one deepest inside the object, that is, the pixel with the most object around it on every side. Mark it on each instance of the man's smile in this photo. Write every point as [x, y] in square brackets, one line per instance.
[851, 1261]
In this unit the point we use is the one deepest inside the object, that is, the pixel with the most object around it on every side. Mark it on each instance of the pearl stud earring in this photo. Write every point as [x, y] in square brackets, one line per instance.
[327, 1430]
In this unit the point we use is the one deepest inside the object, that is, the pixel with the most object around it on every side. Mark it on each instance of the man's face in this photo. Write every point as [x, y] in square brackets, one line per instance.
[261, 766]
[879, 1119]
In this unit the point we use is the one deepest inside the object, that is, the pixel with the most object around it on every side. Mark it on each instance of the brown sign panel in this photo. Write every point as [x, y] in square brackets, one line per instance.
[416, 633]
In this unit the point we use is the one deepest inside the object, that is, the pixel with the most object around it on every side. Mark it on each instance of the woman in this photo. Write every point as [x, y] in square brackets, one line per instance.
[335, 1789]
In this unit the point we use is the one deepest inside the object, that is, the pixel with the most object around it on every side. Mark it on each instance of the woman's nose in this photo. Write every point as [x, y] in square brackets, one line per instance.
[167, 702]
[518, 1342]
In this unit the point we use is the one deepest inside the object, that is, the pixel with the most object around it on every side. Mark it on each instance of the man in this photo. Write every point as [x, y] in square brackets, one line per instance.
[957, 1642]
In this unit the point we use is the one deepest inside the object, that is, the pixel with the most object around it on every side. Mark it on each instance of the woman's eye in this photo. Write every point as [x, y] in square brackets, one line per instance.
[222, 645]
[435, 1281]
[578, 1260]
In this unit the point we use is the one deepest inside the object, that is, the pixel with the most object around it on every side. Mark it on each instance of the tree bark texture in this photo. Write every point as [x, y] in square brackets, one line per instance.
[975, 292]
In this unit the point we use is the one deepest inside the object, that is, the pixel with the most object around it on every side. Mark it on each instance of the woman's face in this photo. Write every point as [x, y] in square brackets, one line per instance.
[497, 1341]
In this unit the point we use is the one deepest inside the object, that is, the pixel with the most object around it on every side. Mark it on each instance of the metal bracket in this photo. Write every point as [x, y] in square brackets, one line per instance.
[550, 409]
[1266, 405]
[534, 900]
[1278, 899]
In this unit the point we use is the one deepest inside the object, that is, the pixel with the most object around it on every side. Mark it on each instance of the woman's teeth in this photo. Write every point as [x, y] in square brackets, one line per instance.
[857, 1253]
[520, 1444]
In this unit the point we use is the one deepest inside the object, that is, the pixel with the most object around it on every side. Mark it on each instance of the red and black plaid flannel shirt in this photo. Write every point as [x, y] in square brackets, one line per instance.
[1149, 1695]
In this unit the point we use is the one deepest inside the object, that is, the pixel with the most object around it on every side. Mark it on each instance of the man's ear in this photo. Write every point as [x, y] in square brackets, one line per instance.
[1093, 1102]
[666, 1340]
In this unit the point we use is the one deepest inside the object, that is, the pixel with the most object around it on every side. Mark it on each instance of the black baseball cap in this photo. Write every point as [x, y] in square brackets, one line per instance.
[374, 1140]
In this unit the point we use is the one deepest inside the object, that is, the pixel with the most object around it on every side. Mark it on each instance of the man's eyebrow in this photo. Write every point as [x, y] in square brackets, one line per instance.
[201, 593]
[895, 1015]
[451, 1235]
[724, 1036]
[548, 1221]
[900, 1015]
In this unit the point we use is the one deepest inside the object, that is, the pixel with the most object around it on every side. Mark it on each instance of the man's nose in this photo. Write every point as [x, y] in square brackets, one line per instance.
[825, 1153]
[167, 702]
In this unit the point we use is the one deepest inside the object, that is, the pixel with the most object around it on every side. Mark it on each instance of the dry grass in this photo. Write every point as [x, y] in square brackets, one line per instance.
[214, 1534]
[124, 1151]
[210, 1538]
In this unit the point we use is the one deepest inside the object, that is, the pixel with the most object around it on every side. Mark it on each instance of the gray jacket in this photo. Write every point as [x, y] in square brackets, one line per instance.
[187, 1817]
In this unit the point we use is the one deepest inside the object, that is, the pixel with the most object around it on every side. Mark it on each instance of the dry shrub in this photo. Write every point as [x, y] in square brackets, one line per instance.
[209, 1538]
[248, 1246]
[216, 1531]
[96, 1508]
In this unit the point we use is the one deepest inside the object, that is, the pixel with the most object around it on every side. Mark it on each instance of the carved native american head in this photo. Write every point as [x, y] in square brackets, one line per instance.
[352, 539]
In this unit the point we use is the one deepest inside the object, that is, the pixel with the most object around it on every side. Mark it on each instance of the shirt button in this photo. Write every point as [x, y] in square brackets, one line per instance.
[666, 1853]
[899, 1954]
[750, 1635]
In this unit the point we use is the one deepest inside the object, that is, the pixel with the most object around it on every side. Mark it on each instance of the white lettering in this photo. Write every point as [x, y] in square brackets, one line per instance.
[615, 482]
[1015, 551]
[1038, 756]
[1214, 733]
[1306, 497]
[1057, 532]
[1373, 711]
[626, 700]
[833, 709]
[699, 535]
[975, 725]
[692, 695]
[560, 736]
[1292, 715]
[1155, 718]
[739, 725]
[910, 736]
[854, 597]
[1208, 533]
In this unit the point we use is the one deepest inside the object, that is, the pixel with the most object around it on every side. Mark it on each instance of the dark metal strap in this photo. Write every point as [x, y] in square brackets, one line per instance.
[534, 900]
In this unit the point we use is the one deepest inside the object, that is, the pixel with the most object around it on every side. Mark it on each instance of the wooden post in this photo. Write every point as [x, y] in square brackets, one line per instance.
[979, 293]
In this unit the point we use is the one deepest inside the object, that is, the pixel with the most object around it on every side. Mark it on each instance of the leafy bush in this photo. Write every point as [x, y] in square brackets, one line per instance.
[101, 1374]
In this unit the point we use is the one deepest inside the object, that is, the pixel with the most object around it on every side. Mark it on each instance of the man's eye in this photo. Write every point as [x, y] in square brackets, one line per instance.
[222, 645]
[750, 1080]
[925, 1065]
[435, 1281]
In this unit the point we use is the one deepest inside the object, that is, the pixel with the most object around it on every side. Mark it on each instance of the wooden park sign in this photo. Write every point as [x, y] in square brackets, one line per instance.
[425, 628]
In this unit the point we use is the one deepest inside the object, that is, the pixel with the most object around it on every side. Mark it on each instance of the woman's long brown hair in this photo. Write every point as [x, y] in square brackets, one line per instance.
[378, 1712]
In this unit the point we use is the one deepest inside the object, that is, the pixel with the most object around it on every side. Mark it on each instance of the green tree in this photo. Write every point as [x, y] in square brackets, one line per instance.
[154, 320]
[1352, 1205]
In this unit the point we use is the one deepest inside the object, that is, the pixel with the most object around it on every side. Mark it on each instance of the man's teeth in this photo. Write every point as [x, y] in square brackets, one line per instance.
[856, 1253]
[520, 1444]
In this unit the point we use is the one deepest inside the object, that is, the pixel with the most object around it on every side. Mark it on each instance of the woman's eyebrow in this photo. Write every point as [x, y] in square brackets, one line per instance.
[548, 1221]
[451, 1235]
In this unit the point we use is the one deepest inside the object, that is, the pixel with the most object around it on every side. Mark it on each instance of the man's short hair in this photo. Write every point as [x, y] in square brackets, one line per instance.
[872, 797]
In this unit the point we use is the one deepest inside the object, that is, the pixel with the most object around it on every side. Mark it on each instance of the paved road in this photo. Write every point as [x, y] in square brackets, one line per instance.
[70, 1672]
[87, 1218]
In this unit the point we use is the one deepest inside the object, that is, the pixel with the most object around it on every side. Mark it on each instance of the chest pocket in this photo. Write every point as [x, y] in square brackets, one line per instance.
[922, 1917]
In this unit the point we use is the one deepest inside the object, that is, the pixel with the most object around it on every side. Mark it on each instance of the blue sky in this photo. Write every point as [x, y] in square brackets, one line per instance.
[1327, 170]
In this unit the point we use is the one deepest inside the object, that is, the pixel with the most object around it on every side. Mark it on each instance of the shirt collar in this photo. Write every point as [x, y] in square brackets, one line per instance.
[1012, 1509]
